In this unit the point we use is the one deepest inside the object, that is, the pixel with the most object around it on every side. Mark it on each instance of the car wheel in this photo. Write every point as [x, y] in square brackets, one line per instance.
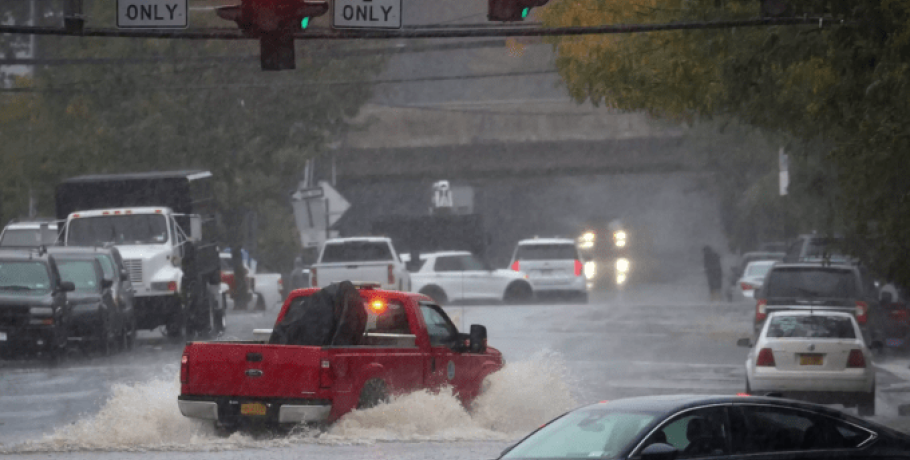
[373, 394]
[436, 294]
[866, 404]
[518, 292]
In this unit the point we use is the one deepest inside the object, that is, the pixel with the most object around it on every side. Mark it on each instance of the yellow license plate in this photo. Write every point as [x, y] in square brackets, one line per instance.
[252, 409]
[810, 360]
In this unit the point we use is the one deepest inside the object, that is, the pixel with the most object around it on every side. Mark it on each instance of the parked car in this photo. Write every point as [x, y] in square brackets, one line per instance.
[34, 307]
[364, 259]
[553, 265]
[121, 288]
[737, 271]
[29, 233]
[449, 276]
[814, 286]
[753, 277]
[716, 427]
[819, 356]
[896, 319]
[96, 322]
[814, 248]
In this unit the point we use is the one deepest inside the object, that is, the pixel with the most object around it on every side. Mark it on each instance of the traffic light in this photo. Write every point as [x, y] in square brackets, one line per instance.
[274, 23]
[511, 10]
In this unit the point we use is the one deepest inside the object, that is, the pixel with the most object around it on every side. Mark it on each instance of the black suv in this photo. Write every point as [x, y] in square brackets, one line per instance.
[95, 321]
[817, 286]
[121, 288]
[34, 311]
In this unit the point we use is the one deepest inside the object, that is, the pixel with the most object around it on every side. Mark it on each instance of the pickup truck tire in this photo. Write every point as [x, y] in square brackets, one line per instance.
[436, 293]
[176, 327]
[518, 292]
[374, 393]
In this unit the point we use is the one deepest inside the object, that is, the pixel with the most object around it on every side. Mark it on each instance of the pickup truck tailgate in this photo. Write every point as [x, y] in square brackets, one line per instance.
[252, 369]
[376, 272]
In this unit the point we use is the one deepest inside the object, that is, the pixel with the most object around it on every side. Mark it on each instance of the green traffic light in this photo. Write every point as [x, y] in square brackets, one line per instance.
[524, 12]
[304, 23]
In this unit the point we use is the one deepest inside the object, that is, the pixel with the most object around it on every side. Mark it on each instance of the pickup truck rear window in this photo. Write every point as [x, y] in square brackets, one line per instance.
[357, 251]
[26, 237]
[814, 326]
[811, 282]
[546, 252]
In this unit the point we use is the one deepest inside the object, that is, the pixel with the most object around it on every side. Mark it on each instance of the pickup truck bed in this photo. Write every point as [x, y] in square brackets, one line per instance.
[241, 382]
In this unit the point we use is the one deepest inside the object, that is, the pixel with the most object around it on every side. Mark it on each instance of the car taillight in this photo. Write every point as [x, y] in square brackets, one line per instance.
[862, 308]
[579, 268]
[313, 281]
[765, 358]
[856, 359]
[185, 369]
[760, 310]
[746, 286]
[172, 286]
[391, 272]
[516, 266]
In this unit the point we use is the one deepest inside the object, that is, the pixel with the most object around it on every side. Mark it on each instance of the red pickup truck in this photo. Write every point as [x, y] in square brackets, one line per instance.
[407, 343]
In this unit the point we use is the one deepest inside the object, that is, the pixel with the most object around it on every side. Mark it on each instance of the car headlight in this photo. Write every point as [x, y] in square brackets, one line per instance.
[622, 265]
[42, 311]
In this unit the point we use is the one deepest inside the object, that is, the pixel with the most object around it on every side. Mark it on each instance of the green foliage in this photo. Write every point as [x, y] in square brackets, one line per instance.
[254, 130]
[840, 92]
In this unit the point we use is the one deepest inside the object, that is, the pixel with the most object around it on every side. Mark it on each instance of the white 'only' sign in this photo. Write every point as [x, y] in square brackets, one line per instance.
[367, 14]
[152, 14]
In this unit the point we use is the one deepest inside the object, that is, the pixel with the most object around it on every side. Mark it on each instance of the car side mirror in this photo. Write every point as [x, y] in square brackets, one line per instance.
[478, 339]
[124, 275]
[744, 343]
[659, 451]
[67, 286]
[106, 283]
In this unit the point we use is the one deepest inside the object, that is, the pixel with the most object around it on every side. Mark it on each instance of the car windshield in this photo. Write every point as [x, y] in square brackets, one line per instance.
[81, 273]
[811, 282]
[811, 327]
[134, 229]
[584, 434]
[758, 269]
[23, 237]
[23, 278]
[546, 252]
[357, 251]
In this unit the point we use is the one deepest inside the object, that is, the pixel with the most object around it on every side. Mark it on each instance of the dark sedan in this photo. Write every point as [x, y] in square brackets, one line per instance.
[716, 427]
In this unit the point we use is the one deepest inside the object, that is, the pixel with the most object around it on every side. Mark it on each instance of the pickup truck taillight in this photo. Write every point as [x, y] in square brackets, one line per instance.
[326, 379]
[760, 310]
[765, 358]
[391, 274]
[862, 310]
[185, 369]
[313, 281]
[856, 359]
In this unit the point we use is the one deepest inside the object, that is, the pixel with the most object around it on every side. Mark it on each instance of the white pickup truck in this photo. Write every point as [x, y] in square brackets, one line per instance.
[365, 259]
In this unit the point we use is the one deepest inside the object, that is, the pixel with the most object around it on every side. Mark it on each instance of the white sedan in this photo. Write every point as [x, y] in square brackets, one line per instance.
[819, 356]
[461, 276]
[753, 277]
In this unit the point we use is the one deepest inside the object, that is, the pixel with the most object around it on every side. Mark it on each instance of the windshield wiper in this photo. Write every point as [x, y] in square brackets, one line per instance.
[14, 287]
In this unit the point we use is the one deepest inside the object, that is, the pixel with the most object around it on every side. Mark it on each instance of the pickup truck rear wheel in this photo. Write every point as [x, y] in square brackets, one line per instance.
[436, 294]
[373, 394]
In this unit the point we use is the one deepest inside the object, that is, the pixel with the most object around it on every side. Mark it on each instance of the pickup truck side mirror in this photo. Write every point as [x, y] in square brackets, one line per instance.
[124, 275]
[106, 283]
[67, 286]
[478, 339]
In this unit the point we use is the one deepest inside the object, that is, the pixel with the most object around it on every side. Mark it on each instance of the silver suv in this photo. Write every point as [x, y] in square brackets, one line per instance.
[553, 266]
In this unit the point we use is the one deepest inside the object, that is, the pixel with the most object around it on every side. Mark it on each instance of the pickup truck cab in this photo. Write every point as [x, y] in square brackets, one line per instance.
[367, 259]
[405, 343]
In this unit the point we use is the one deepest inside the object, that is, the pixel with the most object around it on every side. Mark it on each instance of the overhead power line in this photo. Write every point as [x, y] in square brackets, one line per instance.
[408, 33]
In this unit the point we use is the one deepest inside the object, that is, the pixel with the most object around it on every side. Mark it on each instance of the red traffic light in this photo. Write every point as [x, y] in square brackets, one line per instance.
[511, 10]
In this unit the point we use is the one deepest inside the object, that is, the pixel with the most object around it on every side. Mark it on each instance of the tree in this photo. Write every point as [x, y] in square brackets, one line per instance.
[839, 90]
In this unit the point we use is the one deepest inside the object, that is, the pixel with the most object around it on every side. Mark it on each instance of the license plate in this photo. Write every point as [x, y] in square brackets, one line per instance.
[894, 342]
[252, 409]
[810, 360]
[2, 336]
[546, 273]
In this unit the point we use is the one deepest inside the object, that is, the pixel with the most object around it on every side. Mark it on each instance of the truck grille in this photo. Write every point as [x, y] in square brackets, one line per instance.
[13, 318]
[134, 267]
